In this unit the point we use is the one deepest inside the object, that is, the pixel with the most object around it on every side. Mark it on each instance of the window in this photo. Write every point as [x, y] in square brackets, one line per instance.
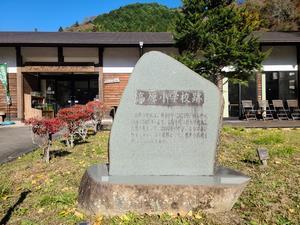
[281, 85]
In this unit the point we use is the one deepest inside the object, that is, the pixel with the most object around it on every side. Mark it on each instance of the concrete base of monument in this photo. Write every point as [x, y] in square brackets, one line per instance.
[102, 194]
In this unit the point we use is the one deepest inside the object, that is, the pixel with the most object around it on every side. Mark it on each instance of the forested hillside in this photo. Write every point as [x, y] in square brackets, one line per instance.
[135, 17]
[276, 15]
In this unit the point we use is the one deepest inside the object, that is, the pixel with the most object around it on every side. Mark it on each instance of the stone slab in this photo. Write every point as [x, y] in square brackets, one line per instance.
[167, 122]
[102, 194]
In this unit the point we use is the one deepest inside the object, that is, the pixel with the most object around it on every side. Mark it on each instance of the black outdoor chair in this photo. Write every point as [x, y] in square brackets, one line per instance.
[281, 112]
[294, 109]
[265, 110]
[248, 110]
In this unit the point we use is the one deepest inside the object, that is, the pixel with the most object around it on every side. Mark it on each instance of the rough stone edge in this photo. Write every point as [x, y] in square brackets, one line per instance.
[215, 196]
[218, 146]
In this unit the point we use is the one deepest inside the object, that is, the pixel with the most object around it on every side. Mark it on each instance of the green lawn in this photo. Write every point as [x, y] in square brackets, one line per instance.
[46, 194]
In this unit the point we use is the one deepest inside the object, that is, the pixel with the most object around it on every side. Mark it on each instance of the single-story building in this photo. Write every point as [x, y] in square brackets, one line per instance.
[51, 70]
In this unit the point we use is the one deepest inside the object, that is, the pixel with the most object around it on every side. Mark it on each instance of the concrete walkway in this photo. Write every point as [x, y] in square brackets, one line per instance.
[263, 124]
[14, 142]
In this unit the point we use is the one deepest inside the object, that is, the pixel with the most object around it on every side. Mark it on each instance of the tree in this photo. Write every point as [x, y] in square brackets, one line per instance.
[280, 15]
[97, 27]
[60, 29]
[42, 131]
[215, 39]
[276, 15]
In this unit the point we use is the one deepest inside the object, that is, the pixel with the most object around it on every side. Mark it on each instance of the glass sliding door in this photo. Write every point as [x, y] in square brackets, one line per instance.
[244, 92]
[63, 93]
[287, 85]
[81, 92]
[281, 85]
[272, 85]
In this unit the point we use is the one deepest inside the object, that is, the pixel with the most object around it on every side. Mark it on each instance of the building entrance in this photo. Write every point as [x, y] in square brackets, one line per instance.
[64, 91]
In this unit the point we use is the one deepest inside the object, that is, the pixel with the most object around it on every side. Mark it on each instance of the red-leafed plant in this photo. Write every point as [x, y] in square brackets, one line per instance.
[42, 131]
[75, 117]
[97, 109]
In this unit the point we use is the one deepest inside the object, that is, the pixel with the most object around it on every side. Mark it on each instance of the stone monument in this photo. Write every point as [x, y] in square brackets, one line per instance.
[163, 146]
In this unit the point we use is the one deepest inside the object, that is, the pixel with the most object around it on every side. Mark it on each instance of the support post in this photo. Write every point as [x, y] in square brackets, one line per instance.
[298, 77]
[100, 71]
[100, 56]
[226, 97]
[20, 83]
[240, 101]
[101, 84]
[259, 86]
[60, 54]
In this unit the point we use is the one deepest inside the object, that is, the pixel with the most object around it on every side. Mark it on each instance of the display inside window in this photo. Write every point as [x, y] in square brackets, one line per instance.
[275, 76]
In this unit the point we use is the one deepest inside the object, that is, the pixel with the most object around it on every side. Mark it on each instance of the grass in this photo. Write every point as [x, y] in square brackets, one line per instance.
[47, 194]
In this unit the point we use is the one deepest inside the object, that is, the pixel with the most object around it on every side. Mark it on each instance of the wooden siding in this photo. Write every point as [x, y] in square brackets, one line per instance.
[114, 91]
[13, 91]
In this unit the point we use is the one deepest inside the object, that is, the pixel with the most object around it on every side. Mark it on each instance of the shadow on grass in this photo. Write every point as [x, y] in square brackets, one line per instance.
[10, 211]
[76, 142]
[80, 142]
[59, 153]
[252, 162]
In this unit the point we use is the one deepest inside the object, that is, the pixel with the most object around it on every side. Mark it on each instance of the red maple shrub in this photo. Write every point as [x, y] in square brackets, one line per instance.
[74, 120]
[74, 117]
[97, 109]
[42, 131]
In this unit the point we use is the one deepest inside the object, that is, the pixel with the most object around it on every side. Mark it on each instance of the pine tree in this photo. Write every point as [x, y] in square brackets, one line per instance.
[213, 35]
[60, 29]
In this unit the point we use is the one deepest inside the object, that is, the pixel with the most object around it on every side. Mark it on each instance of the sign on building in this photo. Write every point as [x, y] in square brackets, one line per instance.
[4, 81]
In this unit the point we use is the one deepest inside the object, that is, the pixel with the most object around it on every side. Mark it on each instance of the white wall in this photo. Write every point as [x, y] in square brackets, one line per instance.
[120, 60]
[8, 55]
[39, 54]
[282, 58]
[123, 60]
[81, 55]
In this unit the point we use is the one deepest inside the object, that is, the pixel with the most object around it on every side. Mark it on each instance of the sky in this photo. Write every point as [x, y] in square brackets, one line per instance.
[49, 15]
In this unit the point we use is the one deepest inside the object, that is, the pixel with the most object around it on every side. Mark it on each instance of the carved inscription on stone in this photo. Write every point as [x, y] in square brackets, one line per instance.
[170, 97]
[166, 127]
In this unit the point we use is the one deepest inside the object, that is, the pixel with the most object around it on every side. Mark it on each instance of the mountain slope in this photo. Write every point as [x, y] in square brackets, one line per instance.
[137, 17]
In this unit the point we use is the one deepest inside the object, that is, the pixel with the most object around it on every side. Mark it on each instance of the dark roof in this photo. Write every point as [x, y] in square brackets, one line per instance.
[86, 38]
[278, 37]
[119, 38]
